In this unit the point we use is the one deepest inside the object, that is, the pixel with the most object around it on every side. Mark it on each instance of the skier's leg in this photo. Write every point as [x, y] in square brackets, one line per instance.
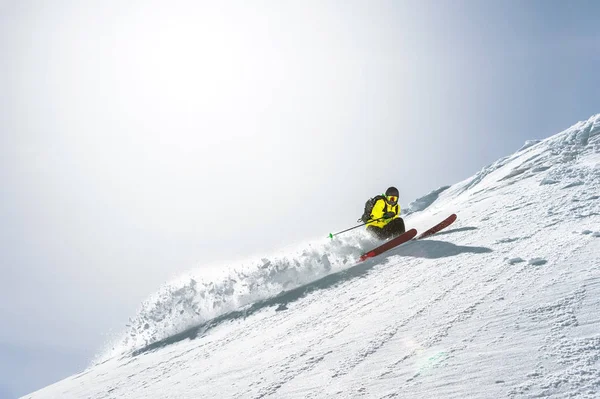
[394, 228]
[401, 228]
[376, 232]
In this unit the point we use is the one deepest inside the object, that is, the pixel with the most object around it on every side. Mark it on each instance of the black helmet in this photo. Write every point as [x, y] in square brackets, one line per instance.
[392, 191]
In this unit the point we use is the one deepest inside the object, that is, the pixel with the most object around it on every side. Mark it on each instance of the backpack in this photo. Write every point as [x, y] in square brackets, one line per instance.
[366, 216]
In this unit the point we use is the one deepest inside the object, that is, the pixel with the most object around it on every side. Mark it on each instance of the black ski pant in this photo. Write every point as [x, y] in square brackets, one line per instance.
[392, 229]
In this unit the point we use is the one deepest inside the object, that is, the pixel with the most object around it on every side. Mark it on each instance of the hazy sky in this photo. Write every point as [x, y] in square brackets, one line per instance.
[141, 139]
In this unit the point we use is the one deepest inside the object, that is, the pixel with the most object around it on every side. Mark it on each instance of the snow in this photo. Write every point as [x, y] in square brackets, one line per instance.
[503, 303]
[528, 144]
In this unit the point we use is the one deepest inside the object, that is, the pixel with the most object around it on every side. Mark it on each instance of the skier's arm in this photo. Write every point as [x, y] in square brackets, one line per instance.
[397, 215]
[377, 212]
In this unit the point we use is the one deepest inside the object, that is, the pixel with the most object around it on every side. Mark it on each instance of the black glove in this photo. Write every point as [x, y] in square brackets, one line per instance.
[389, 215]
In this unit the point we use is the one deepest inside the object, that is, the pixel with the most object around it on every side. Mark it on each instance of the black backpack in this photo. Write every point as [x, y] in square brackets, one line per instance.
[369, 208]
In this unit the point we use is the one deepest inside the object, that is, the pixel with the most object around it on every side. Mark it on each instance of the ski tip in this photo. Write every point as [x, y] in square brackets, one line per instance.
[438, 227]
[367, 255]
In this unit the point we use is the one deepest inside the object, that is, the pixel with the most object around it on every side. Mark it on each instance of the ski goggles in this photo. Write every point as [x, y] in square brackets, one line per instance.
[392, 198]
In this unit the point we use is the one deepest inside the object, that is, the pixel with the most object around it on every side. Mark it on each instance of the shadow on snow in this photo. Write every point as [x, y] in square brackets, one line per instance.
[455, 230]
[432, 249]
[428, 249]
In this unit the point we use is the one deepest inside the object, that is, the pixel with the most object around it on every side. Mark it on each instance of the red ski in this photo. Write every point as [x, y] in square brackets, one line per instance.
[394, 242]
[438, 227]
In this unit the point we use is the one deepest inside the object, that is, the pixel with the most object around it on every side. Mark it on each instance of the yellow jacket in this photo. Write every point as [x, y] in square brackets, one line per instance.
[381, 207]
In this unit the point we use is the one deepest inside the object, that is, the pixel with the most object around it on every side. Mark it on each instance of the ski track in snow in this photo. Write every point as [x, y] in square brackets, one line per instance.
[503, 303]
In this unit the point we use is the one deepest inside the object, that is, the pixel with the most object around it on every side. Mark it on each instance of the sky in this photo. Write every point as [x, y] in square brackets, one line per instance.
[141, 140]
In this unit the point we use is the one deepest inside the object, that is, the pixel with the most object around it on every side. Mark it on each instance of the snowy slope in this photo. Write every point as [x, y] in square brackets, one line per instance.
[504, 303]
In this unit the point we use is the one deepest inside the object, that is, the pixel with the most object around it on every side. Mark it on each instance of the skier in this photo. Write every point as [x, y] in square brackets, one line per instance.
[385, 214]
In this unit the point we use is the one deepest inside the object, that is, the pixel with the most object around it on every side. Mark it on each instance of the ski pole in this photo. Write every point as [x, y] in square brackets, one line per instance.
[352, 228]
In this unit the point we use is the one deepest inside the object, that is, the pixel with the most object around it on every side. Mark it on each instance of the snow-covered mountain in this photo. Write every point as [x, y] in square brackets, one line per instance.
[504, 303]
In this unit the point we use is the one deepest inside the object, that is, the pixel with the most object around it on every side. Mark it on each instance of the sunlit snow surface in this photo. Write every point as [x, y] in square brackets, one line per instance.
[504, 303]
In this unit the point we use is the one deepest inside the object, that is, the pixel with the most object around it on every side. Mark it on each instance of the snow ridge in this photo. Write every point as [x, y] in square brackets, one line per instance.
[424, 202]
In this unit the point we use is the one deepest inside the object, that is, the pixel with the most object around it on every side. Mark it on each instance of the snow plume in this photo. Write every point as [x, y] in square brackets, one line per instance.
[206, 294]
